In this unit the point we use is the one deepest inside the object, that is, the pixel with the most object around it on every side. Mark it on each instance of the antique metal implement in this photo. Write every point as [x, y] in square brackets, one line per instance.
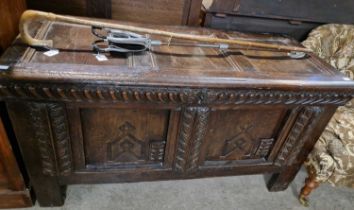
[119, 41]
[127, 42]
[122, 41]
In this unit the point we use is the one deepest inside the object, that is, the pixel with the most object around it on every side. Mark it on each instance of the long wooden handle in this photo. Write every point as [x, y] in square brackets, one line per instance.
[32, 15]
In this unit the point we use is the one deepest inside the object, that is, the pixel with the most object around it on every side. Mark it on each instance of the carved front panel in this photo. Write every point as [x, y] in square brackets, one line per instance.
[124, 137]
[242, 134]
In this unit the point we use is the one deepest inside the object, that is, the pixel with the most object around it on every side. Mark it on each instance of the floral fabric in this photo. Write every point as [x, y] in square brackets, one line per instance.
[332, 158]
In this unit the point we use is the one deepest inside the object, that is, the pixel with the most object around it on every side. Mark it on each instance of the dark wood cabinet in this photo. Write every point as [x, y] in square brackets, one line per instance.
[166, 12]
[10, 11]
[295, 18]
[13, 191]
[168, 113]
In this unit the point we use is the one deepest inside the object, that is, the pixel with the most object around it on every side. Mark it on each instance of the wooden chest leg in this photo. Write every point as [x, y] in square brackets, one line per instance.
[307, 128]
[30, 122]
[48, 192]
[280, 181]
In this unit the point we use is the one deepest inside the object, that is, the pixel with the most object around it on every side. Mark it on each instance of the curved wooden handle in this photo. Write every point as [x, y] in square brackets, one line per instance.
[26, 18]
[32, 15]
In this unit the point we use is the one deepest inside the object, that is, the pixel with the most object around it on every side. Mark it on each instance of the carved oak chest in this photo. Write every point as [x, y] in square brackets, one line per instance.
[168, 113]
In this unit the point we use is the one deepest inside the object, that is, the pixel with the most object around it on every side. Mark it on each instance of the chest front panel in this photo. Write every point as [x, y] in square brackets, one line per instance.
[185, 140]
[235, 134]
[122, 137]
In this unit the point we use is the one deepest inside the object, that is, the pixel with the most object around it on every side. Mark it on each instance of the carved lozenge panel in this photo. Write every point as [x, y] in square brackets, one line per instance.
[124, 137]
[242, 134]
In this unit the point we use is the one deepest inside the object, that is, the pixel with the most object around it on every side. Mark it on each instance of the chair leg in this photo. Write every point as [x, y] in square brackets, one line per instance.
[310, 185]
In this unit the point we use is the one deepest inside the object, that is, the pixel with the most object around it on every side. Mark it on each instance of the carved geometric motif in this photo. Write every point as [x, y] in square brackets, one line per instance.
[239, 143]
[264, 148]
[157, 150]
[126, 147]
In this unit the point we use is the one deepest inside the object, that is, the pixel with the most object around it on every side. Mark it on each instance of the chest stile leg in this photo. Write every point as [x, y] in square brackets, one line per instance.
[303, 136]
[34, 133]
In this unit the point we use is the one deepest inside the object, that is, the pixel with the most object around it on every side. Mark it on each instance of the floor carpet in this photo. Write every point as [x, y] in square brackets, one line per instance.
[234, 193]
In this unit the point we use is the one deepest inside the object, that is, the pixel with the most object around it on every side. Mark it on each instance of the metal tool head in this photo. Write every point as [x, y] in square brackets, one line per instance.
[120, 41]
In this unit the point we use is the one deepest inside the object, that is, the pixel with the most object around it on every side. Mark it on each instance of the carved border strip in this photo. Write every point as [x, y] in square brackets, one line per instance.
[184, 139]
[312, 122]
[60, 133]
[192, 132]
[201, 124]
[169, 95]
[39, 120]
[53, 146]
[295, 140]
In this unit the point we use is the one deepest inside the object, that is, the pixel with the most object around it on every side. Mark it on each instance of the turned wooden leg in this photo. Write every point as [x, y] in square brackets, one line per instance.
[310, 185]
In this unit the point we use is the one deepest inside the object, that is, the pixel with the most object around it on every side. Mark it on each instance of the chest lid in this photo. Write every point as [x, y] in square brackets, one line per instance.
[173, 66]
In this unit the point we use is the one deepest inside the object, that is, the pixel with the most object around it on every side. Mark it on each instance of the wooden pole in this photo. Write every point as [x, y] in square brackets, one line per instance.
[32, 15]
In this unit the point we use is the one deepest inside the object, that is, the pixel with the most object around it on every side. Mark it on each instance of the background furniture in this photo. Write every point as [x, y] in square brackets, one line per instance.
[168, 113]
[13, 189]
[167, 12]
[10, 11]
[333, 155]
[294, 18]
